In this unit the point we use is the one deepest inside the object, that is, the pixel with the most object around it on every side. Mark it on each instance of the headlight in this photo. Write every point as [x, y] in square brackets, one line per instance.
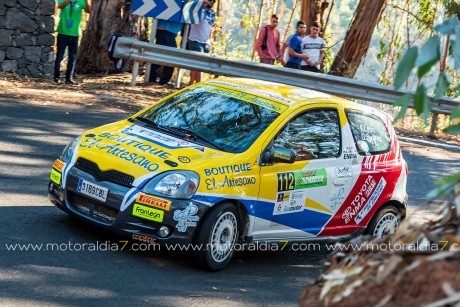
[68, 150]
[175, 184]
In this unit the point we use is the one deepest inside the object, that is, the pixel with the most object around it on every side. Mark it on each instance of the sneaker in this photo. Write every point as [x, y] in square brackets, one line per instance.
[56, 80]
[71, 82]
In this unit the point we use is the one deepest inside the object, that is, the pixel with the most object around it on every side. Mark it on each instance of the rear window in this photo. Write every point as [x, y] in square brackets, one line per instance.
[369, 132]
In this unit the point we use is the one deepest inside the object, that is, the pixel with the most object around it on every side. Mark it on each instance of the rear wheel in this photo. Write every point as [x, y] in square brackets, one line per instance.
[217, 237]
[386, 222]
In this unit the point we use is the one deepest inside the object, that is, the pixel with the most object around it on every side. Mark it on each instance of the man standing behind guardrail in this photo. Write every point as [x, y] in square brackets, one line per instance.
[268, 42]
[68, 31]
[295, 47]
[313, 46]
[200, 34]
[166, 36]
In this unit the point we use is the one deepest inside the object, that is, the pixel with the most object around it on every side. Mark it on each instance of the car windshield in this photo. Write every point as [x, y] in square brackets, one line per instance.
[214, 117]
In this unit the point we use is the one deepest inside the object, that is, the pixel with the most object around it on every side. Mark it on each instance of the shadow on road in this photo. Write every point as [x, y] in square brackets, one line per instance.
[58, 275]
[32, 136]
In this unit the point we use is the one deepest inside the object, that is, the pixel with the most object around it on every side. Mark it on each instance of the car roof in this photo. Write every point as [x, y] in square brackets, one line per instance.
[289, 95]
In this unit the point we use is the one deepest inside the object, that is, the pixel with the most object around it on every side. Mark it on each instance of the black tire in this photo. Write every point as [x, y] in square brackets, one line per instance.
[221, 226]
[385, 222]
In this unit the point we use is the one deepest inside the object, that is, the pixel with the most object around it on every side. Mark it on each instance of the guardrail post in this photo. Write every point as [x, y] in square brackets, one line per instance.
[135, 73]
[136, 69]
[153, 34]
[434, 123]
[182, 46]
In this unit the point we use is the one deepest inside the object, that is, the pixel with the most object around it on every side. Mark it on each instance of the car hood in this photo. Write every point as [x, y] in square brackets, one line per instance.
[142, 152]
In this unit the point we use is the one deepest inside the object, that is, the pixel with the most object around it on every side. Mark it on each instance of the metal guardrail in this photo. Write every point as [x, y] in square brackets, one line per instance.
[129, 48]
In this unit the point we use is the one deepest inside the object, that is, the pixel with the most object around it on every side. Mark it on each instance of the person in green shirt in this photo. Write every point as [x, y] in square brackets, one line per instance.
[68, 31]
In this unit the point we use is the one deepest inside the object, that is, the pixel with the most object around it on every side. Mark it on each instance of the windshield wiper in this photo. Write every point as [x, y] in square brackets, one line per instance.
[195, 136]
[147, 121]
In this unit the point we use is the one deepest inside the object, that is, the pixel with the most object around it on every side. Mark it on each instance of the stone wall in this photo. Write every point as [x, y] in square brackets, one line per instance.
[26, 42]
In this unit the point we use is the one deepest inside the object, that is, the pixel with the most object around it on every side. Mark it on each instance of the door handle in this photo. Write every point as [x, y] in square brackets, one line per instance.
[340, 181]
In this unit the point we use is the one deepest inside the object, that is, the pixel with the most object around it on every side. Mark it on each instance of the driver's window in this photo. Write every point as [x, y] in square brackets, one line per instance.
[312, 135]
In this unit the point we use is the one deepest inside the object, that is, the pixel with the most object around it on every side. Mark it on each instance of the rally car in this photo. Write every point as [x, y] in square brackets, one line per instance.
[231, 161]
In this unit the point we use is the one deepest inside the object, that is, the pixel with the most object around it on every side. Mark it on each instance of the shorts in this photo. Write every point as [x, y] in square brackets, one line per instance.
[197, 46]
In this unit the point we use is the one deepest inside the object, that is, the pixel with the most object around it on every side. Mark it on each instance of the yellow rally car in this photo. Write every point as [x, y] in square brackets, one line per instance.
[236, 160]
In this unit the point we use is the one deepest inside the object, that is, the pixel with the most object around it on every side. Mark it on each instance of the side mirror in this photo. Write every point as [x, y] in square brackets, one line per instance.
[283, 155]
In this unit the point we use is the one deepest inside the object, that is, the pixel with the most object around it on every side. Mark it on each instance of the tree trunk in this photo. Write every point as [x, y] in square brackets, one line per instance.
[107, 18]
[358, 37]
[313, 10]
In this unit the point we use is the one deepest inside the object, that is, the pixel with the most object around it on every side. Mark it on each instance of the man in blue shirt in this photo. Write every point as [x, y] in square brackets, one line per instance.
[295, 47]
[166, 36]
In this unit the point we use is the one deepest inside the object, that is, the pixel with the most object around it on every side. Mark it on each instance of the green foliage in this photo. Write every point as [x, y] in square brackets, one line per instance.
[441, 86]
[402, 102]
[425, 59]
[445, 185]
[429, 55]
[405, 67]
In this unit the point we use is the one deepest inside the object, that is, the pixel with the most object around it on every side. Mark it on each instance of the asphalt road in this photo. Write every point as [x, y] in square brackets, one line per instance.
[32, 136]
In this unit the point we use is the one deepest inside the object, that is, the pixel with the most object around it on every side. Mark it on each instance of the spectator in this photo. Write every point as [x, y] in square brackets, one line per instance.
[285, 49]
[268, 42]
[313, 46]
[68, 31]
[200, 34]
[166, 36]
[295, 47]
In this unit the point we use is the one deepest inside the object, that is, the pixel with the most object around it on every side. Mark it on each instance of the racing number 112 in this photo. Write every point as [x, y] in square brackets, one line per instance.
[286, 181]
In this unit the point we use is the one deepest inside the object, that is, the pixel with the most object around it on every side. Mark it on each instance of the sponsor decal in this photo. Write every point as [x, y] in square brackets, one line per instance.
[228, 169]
[134, 143]
[337, 197]
[143, 238]
[159, 138]
[311, 178]
[297, 195]
[370, 135]
[350, 153]
[120, 152]
[206, 156]
[55, 176]
[252, 90]
[283, 197]
[153, 201]
[372, 200]
[360, 199]
[288, 207]
[213, 184]
[281, 155]
[301, 179]
[58, 165]
[148, 213]
[247, 97]
[183, 159]
[343, 171]
[186, 218]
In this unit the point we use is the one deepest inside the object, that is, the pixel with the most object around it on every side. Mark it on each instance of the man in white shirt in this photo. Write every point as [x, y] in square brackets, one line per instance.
[313, 46]
[200, 34]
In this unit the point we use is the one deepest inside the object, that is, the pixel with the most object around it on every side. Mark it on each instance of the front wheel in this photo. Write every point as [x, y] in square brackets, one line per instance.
[217, 237]
[386, 222]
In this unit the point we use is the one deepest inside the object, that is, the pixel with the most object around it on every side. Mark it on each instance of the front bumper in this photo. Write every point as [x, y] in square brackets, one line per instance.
[112, 216]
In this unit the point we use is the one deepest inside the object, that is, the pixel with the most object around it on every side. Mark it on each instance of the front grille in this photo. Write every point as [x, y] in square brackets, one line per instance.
[100, 212]
[111, 176]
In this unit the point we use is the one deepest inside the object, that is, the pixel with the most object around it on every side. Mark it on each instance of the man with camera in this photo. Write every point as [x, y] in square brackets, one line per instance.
[68, 32]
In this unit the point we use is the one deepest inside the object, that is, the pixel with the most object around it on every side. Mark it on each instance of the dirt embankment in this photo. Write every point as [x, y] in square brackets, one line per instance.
[108, 92]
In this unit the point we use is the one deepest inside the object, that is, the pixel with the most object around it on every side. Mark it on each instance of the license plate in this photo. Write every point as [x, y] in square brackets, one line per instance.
[92, 190]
